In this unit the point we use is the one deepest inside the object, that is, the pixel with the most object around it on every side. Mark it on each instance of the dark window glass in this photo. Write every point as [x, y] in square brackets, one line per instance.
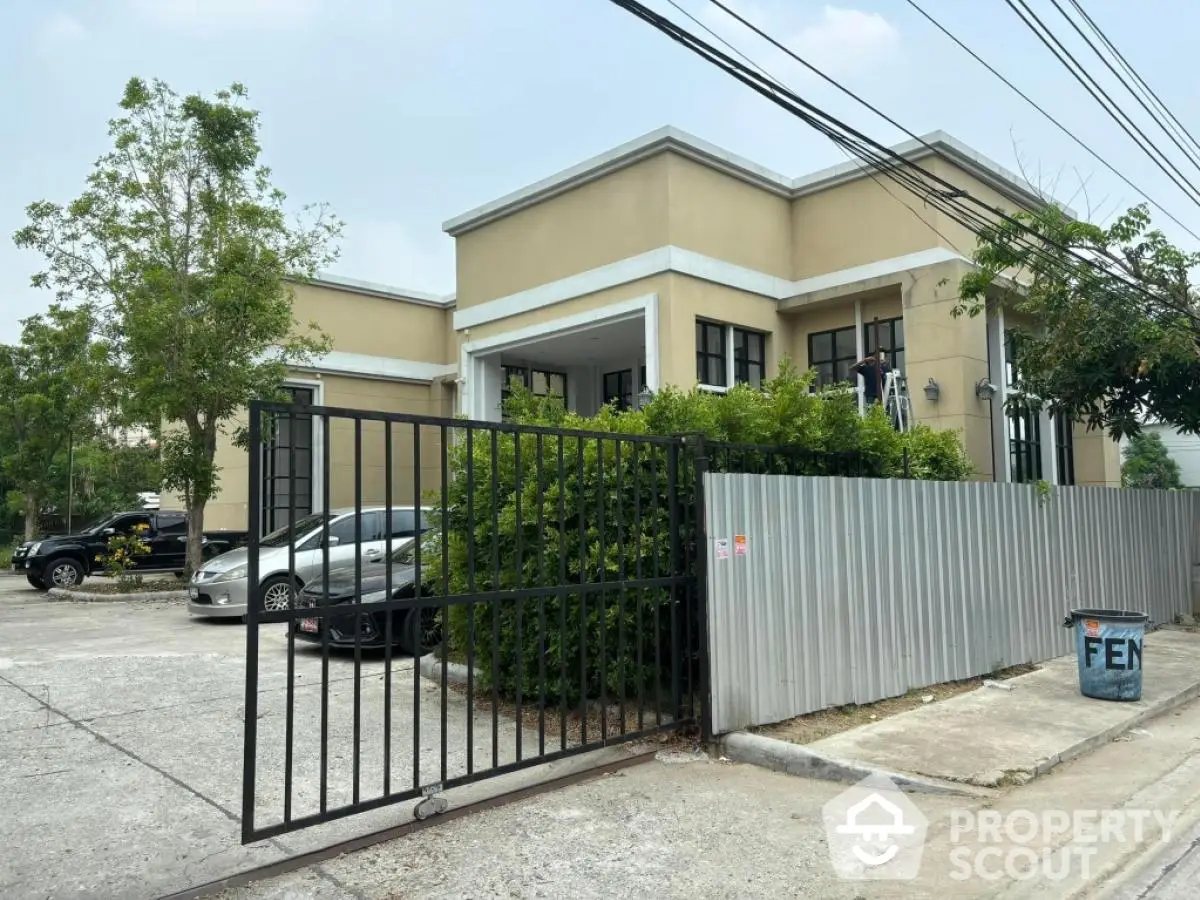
[171, 524]
[886, 335]
[290, 441]
[1064, 448]
[1025, 445]
[749, 357]
[618, 388]
[372, 528]
[541, 382]
[832, 354]
[710, 354]
[127, 524]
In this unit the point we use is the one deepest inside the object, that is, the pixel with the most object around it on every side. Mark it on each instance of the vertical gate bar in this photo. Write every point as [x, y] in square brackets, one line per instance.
[495, 602]
[443, 613]
[687, 609]
[561, 595]
[414, 614]
[388, 453]
[583, 635]
[470, 606]
[638, 571]
[701, 577]
[621, 595]
[289, 727]
[325, 618]
[541, 564]
[673, 504]
[656, 518]
[357, 606]
[602, 619]
[519, 649]
[254, 515]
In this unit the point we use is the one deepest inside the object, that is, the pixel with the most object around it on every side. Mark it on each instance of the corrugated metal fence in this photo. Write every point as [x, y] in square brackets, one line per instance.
[828, 591]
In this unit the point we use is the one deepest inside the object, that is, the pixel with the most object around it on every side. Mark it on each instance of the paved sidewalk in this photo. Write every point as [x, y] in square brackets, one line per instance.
[991, 737]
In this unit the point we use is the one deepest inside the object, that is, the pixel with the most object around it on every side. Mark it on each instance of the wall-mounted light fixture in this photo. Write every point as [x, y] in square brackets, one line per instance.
[932, 391]
[645, 395]
[984, 389]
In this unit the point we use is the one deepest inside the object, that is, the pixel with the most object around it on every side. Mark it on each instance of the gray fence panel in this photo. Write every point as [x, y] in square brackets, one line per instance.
[853, 590]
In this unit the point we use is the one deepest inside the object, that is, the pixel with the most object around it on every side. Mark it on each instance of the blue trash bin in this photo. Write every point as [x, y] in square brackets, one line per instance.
[1108, 644]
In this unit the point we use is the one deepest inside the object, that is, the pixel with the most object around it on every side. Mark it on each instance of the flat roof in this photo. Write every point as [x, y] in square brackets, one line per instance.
[387, 292]
[671, 139]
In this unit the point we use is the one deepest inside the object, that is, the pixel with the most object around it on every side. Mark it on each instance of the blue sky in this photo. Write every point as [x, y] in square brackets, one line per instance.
[404, 113]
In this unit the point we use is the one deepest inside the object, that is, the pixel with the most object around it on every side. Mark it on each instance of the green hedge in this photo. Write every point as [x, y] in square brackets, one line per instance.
[608, 519]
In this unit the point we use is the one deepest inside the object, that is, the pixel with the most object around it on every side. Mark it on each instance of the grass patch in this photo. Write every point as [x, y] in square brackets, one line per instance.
[823, 723]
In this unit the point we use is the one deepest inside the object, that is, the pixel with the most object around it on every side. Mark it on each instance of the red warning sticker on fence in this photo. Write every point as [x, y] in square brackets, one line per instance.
[739, 545]
[1091, 628]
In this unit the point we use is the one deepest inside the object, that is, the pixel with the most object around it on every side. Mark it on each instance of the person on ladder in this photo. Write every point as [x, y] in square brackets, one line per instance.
[874, 371]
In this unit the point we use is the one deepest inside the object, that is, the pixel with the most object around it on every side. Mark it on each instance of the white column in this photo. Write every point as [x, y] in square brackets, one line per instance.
[860, 351]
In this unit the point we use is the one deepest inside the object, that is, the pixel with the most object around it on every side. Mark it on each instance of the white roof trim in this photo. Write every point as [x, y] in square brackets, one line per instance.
[386, 292]
[696, 265]
[379, 368]
[685, 144]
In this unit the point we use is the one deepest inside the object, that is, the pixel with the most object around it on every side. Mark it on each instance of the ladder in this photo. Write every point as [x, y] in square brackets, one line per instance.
[895, 400]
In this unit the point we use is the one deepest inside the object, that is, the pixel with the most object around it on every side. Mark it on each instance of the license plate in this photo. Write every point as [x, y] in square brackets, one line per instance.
[194, 593]
[309, 625]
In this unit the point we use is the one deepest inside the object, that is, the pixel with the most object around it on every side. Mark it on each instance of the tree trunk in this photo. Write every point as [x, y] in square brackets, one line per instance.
[31, 517]
[195, 536]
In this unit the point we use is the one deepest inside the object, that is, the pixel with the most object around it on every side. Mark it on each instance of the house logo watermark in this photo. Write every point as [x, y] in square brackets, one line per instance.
[876, 832]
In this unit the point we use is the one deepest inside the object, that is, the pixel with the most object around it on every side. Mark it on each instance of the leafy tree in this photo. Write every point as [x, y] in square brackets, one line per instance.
[106, 477]
[183, 245]
[1148, 465]
[51, 385]
[1120, 331]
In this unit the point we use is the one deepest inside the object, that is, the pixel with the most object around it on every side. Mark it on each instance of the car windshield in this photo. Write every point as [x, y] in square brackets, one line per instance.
[279, 537]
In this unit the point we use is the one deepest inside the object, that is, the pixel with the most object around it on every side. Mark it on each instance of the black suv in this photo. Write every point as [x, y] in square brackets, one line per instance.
[65, 560]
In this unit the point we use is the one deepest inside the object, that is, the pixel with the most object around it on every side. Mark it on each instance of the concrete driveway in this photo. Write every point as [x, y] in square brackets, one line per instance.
[121, 731]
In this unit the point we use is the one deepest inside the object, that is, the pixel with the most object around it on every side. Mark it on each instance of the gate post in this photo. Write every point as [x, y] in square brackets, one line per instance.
[700, 465]
[254, 526]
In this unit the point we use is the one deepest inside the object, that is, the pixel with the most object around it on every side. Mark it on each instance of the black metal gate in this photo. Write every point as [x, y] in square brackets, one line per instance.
[552, 605]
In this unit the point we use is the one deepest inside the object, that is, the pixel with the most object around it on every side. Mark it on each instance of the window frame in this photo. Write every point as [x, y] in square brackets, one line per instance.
[895, 355]
[1064, 449]
[705, 328]
[525, 373]
[834, 359]
[743, 362]
[624, 395]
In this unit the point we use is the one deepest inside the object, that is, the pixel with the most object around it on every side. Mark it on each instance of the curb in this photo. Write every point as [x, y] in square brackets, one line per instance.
[794, 759]
[431, 667]
[1088, 744]
[65, 596]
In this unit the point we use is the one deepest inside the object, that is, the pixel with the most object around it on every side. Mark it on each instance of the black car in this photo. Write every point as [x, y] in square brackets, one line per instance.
[65, 560]
[415, 630]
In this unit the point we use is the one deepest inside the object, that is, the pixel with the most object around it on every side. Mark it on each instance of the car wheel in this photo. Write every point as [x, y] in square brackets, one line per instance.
[63, 573]
[428, 630]
[276, 594]
[35, 581]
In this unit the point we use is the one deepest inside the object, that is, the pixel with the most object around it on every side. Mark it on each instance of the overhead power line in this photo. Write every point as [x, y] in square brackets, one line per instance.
[950, 191]
[956, 203]
[1051, 119]
[1148, 91]
[1154, 114]
[749, 61]
[1101, 96]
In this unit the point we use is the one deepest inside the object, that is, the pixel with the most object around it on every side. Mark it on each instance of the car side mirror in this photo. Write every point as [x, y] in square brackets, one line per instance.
[108, 532]
[333, 541]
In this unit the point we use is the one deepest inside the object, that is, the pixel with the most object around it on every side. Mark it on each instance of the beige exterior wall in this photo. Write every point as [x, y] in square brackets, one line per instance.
[688, 299]
[610, 219]
[375, 326]
[725, 218]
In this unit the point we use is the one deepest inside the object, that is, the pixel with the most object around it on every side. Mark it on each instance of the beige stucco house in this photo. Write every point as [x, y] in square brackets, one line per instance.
[671, 261]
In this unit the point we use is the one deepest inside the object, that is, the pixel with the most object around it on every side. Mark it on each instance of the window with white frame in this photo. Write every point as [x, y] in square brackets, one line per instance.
[749, 357]
[711, 354]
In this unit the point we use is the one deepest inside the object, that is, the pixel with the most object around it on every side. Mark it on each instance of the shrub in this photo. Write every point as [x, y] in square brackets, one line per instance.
[534, 512]
[120, 555]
